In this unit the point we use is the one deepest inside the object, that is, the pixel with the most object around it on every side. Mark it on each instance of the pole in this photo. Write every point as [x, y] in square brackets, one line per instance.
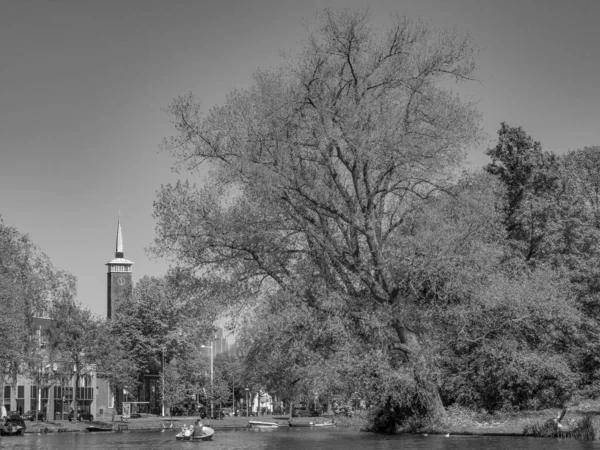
[162, 397]
[212, 413]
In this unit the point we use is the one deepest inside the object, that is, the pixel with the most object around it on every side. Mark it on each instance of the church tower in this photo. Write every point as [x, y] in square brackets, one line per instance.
[119, 276]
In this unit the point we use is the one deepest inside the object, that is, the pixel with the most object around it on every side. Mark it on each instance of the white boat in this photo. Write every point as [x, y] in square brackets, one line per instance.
[261, 424]
[330, 423]
[207, 436]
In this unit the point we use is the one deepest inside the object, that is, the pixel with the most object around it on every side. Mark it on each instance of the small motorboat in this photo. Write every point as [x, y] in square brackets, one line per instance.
[207, 436]
[301, 424]
[329, 423]
[261, 424]
[94, 428]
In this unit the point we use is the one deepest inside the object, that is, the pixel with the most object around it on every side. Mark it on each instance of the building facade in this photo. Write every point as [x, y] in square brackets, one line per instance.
[54, 395]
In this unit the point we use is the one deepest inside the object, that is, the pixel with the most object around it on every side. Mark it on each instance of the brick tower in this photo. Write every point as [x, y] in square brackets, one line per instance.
[119, 276]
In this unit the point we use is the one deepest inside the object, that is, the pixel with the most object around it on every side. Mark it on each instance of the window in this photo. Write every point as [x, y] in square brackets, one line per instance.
[7, 397]
[20, 399]
[34, 397]
[33, 393]
[86, 393]
[111, 398]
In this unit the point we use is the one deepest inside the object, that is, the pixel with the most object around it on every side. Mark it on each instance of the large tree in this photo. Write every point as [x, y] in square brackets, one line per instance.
[318, 164]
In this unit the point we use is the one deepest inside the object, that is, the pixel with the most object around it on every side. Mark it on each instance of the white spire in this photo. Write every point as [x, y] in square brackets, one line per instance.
[119, 252]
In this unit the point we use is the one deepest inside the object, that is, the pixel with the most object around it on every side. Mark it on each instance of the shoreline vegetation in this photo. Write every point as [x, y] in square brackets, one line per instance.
[579, 422]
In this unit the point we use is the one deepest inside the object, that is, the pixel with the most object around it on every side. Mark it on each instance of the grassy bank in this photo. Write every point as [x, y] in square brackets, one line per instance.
[585, 418]
[151, 423]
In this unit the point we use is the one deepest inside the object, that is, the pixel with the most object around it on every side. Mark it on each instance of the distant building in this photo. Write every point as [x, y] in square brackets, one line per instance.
[54, 398]
[118, 288]
[118, 279]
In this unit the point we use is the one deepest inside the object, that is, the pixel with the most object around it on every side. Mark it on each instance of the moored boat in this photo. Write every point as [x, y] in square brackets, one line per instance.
[329, 423]
[261, 424]
[13, 426]
[301, 424]
[207, 436]
[93, 428]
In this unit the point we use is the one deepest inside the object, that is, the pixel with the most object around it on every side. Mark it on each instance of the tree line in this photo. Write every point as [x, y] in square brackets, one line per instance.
[49, 338]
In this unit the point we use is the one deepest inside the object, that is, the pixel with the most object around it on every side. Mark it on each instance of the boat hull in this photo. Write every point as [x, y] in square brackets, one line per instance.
[12, 431]
[260, 424]
[207, 436]
[92, 428]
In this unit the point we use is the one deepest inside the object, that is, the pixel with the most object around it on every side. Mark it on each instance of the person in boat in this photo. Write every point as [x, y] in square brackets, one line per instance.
[198, 428]
[187, 432]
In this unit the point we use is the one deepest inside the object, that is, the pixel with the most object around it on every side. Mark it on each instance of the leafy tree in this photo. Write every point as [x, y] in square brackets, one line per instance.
[174, 388]
[145, 323]
[318, 164]
[532, 180]
[575, 247]
[114, 362]
[28, 285]
[73, 338]
[515, 345]
[230, 378]
[183, 379]
[158, 327]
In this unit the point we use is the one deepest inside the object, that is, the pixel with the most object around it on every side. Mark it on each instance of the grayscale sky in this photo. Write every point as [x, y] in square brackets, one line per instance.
[82, 84]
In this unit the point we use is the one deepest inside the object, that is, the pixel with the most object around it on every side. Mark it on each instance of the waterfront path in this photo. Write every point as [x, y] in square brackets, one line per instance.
[152, 422]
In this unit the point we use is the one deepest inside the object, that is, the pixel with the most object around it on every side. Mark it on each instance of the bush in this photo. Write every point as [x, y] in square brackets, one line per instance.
[588, 428]
[541, 429]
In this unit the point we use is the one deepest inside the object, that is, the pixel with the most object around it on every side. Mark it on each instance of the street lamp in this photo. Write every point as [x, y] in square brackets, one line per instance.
[162, 397]
[247, 412]
[211, 378]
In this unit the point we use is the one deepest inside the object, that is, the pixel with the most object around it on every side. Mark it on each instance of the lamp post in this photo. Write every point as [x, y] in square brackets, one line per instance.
[247, 412]
[162, 396]
[211, 377]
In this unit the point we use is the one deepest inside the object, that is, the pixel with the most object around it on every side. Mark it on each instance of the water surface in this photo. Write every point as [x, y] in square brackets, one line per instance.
[284, 439]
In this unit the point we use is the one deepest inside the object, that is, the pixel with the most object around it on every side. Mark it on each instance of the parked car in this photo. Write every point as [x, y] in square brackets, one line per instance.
[13, 425]
[30, 415]
[81, 415]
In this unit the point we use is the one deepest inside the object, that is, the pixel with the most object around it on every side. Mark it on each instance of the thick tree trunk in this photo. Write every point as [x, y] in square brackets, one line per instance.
[428, 398]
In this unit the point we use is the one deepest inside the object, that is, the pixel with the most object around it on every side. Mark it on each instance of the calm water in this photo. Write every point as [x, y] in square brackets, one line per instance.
[285, 439]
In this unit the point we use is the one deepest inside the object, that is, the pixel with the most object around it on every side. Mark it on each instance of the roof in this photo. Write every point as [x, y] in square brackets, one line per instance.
[120, 261]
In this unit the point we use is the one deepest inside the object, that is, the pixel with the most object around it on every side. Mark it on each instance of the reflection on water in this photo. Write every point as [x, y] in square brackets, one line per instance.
[285, 439]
